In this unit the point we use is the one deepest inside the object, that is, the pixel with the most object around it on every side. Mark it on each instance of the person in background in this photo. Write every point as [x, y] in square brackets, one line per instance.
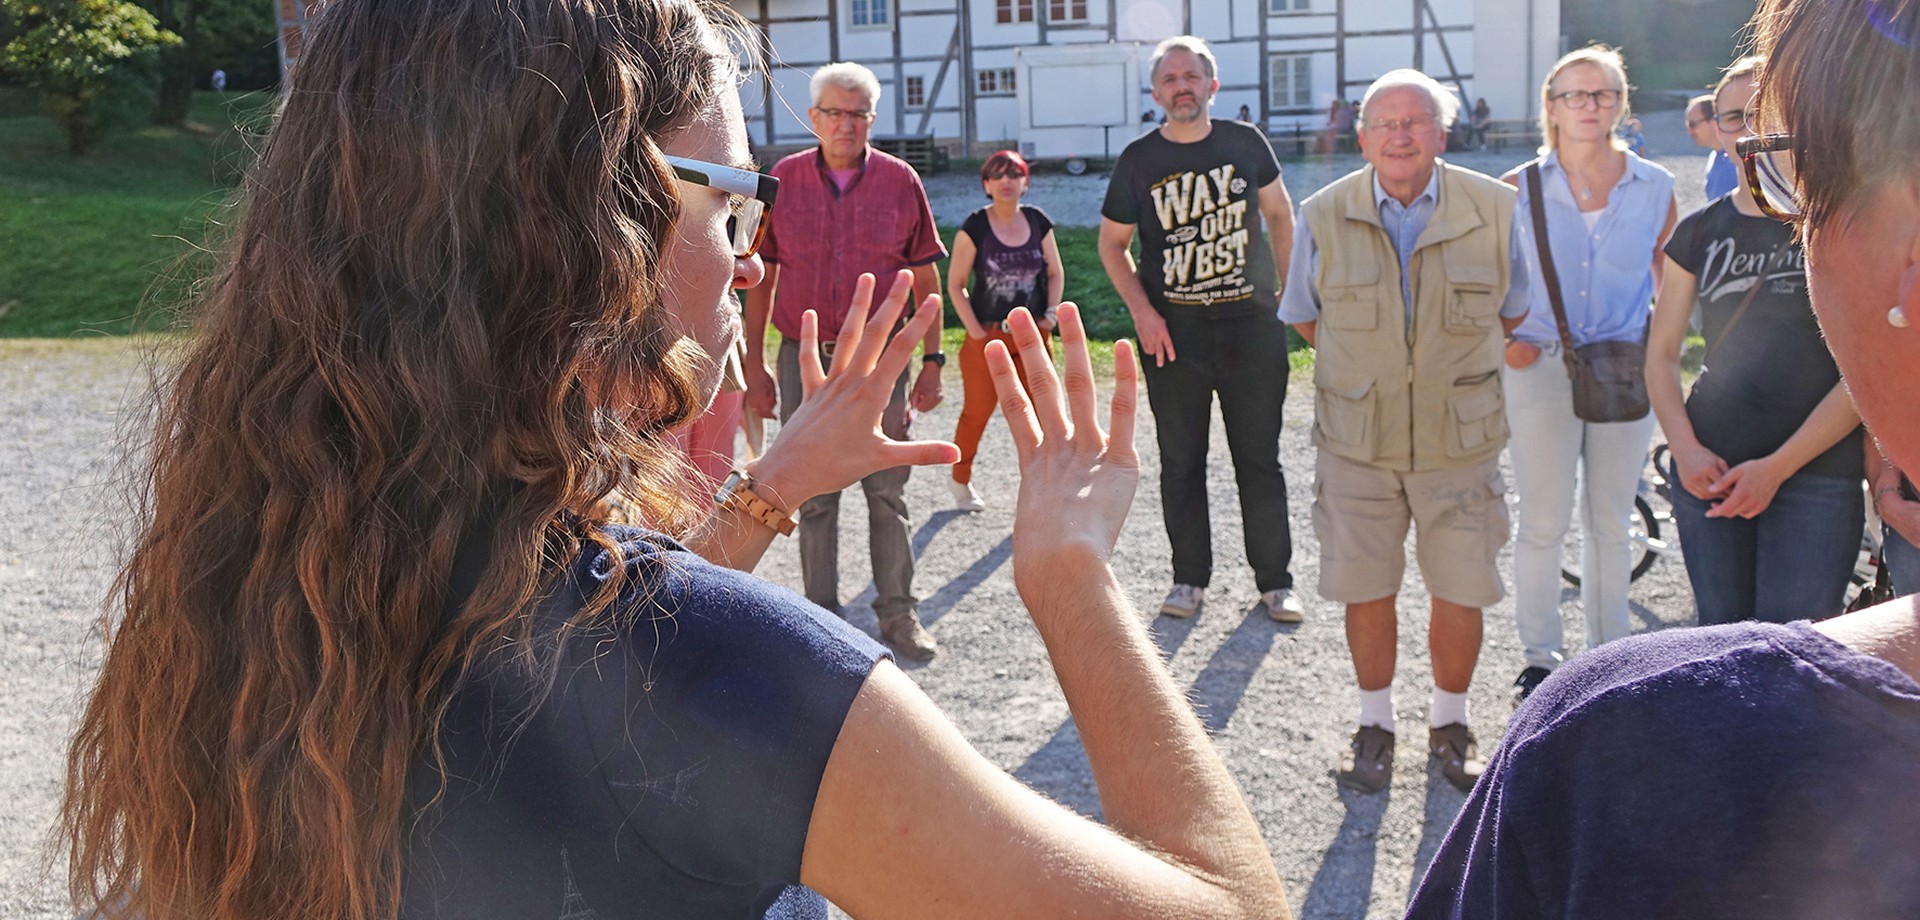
[1607, 212]
[1004, 258]
[1722, 173]
[219, 81]
[381, 648]
[1478, 125]
[1898, 505]
[1767, 450]
[1635, 136]
[1753, 769]
[848, 209]
[1245, 116]
[1215, 224]
[1405, 274]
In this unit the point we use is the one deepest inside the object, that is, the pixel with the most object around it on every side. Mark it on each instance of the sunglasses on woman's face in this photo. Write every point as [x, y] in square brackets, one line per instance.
[1767, 162]
[749, 196]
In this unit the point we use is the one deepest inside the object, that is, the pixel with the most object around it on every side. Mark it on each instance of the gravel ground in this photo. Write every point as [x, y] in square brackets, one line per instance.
[1279, 700]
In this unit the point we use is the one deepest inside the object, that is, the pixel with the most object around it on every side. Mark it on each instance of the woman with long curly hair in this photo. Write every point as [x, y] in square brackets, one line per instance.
[383, 649]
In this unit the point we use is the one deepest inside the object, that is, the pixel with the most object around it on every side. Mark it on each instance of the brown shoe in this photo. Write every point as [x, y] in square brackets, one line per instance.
[1458, 753]
[1368, 766]
[908, 638]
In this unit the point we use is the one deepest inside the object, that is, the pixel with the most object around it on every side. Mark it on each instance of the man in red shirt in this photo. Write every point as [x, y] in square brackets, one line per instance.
[846, 209]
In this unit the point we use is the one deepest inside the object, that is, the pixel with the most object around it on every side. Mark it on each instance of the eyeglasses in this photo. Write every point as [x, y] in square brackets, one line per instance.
[1585, 99]
[750, 196]
[1771, 174]
[1412, 123]
[1733, 122]
[838, 115]
[1693, 123]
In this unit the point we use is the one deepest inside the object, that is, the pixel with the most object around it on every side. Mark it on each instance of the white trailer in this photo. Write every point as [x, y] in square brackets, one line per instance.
[1077, 101]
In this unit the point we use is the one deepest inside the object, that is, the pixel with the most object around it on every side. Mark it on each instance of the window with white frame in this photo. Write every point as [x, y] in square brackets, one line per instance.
[994, 82]
[869, 14]
[916, 91]
[1005, 11]
[1278, 7]
[1066, 10]
[1290, 81]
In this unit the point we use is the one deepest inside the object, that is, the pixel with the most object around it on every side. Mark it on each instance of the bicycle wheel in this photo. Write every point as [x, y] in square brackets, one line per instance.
[1643, 530]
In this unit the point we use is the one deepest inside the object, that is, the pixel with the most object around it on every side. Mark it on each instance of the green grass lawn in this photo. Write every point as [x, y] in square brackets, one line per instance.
[98, 244]
[105, 244]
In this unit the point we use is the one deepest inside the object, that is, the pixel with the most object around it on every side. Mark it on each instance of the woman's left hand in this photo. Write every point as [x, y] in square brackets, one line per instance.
[1747, 489]
[833, 439]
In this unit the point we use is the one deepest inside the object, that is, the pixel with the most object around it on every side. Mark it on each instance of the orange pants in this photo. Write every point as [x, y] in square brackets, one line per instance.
[976, 384]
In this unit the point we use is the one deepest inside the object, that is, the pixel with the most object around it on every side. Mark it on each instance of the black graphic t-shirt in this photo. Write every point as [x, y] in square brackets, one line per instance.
[1196, 207]
[1766, 368]
[1005, 277]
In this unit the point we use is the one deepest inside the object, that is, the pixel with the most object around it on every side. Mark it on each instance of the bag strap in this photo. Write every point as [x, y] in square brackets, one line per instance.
[1734, 320]
[1538, 205]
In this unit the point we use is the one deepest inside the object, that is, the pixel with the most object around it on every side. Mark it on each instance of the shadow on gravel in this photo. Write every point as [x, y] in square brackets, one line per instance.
[939, 602]
[1220, 686]
[1343, 885]
[1059, 770]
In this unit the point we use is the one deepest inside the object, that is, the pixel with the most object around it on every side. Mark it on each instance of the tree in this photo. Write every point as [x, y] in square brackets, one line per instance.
[90, 60]
[234, 35]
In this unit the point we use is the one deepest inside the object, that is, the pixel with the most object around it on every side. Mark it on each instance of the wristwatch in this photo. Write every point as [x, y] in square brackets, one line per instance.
[737, 494]
[939, 358]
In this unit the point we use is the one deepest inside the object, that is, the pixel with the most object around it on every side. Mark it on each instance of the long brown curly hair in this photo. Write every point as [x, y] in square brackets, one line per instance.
[440, 310]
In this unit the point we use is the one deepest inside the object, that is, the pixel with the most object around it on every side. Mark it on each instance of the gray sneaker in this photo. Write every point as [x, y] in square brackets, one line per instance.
[903, 632]
[1281, 606]
[1458, 753]
[1368, 766]
[1183, 601]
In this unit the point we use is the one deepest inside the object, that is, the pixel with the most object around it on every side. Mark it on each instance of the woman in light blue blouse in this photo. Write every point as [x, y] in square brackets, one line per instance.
[1608, 212]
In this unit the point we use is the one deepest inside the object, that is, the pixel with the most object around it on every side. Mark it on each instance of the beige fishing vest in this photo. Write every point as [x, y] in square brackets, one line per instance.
[1425, 395]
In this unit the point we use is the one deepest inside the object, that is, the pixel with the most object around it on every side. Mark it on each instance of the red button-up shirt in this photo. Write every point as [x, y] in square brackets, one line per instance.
[823, 238]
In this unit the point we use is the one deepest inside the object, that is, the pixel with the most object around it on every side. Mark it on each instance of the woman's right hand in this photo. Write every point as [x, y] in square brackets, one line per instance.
[1076, 481]
[1698, 469]
[1521, 355]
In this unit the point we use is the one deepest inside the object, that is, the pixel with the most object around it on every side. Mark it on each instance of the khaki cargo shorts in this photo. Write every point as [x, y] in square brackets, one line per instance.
[1361, 513]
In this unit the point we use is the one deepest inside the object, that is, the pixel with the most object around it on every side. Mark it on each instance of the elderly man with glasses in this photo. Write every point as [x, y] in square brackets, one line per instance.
[847, 209]
[1405, 276]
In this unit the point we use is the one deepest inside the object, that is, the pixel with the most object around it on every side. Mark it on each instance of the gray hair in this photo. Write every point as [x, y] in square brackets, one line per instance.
[1446, 106]
[845, 75]
[1192, 44]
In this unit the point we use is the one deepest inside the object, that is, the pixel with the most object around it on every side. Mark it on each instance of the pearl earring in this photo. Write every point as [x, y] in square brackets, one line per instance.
[1897, 318]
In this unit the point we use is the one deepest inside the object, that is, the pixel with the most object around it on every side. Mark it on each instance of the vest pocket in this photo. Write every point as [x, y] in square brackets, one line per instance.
[1471, 307]
[1350, 309]
[1477, 413]
[1345, 414]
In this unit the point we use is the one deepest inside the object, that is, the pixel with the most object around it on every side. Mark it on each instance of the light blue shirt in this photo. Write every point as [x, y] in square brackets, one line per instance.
[1606, 274]
[1403, 224]
[1722, 175]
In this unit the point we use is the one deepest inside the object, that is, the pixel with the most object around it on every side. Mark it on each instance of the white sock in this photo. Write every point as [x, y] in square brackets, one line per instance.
[1447, 708]
[1376, 708]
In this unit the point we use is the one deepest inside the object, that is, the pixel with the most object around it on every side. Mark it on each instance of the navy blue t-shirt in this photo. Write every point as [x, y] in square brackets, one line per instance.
[1743, 771]
[669, 769]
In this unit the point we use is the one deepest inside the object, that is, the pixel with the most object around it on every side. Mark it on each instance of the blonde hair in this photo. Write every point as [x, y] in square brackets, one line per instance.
[1610, 62]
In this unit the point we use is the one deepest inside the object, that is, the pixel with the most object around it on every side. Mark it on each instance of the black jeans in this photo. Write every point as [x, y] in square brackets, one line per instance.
[1245, 361]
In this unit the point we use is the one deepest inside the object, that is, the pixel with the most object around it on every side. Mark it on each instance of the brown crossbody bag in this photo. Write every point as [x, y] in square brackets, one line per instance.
[1609, 378]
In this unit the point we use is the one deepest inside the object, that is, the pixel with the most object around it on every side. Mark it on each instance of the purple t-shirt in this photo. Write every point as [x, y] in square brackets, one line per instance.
[1740, 771]
[1006, 277]
[669, 769]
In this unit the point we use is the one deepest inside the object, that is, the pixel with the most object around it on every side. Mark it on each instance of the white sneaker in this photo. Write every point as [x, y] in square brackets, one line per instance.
[1282, 606]
[965, 498]
[1183, 601]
